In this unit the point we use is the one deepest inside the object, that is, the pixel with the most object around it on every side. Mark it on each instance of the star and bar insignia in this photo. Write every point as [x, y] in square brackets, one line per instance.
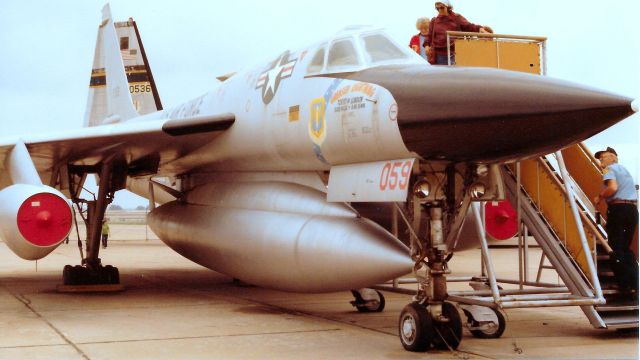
[269, 80]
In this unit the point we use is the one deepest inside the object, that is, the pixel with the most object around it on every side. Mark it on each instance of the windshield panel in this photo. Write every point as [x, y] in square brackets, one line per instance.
[317, 62]
[341, 54]
[380, 49]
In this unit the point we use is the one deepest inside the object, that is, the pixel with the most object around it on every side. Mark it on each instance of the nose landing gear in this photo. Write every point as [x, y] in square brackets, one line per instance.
[436, 215]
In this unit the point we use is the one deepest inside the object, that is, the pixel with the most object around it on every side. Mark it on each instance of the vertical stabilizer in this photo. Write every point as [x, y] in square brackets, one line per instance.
[119, 102]
[121, 84]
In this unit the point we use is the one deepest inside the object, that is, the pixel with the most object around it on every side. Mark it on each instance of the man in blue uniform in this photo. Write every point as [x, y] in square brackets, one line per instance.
[620, 193]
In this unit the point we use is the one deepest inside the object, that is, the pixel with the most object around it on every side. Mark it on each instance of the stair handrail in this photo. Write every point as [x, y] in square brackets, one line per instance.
[595, 281]
[592, 228]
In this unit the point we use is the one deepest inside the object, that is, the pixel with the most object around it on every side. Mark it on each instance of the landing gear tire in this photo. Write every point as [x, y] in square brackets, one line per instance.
[80, 275]
[490, 331]
[368, 305]
[448, 334]
[111, 274]
[415, 328]
[67, 275]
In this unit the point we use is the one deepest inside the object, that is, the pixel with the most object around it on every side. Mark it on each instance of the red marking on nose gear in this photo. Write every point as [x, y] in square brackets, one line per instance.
[501, 221]
[44, 219]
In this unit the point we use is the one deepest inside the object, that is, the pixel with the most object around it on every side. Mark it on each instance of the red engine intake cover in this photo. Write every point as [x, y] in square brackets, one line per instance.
[501, 220]
[44, 219]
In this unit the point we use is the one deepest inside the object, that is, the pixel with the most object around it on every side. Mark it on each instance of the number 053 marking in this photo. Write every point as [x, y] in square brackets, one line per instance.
[395, 174]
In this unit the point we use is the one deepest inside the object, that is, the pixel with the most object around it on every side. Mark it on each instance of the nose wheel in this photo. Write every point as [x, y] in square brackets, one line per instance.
[415, 327]
[419, 330]
[448, 328]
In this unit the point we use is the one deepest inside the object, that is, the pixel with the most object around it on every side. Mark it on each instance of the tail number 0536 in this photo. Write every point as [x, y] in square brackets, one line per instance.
[395, 175]
[139, 88]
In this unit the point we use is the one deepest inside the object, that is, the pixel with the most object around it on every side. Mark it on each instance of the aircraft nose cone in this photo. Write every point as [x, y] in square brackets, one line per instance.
[476, 114]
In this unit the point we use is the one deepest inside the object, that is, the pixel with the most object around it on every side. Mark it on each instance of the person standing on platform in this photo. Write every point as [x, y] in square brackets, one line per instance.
[417, 41]
[620, 193]
[446, 20]
[105, 232]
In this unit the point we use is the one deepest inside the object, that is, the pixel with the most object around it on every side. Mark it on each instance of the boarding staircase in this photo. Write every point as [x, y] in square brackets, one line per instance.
[537, 188]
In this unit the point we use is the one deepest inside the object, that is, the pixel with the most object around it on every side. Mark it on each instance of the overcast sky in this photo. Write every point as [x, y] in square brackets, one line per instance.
[47, 48]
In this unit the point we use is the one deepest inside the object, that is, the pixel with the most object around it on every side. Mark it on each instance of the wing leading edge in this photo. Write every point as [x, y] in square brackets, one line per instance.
[145, 147]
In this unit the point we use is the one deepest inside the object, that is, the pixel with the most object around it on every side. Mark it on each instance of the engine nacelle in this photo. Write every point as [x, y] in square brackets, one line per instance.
[34, 220]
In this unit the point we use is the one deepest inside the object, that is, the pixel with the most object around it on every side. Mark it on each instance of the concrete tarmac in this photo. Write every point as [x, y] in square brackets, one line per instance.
[174, 309]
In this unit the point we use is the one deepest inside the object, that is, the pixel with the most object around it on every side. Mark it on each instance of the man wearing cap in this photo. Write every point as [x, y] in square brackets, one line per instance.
[619, 192]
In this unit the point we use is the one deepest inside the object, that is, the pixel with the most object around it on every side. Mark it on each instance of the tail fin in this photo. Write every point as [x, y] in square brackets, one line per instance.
[121, 85]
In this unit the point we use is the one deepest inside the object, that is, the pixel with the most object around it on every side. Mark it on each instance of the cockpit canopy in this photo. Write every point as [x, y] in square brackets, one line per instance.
[356, 49]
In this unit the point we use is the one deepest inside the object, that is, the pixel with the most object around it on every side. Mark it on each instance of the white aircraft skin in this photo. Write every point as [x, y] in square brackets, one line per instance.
[256, 178]
[271, 142]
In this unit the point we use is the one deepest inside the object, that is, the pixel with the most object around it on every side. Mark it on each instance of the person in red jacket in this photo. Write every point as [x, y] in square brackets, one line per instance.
[417, 41]
[446, 20]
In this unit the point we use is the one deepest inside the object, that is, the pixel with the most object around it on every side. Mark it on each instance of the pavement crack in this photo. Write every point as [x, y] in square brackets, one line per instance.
[27, 303]
[209, 336]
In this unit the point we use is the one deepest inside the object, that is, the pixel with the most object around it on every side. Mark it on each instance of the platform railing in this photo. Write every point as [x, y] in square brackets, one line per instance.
[502, 51]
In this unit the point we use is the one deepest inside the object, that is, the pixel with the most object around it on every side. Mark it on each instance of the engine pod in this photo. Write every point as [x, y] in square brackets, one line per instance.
[34, 220]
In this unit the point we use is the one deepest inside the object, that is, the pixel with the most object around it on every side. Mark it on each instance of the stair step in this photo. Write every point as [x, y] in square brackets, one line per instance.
[609, 291]
[607, 308]
[620, 322]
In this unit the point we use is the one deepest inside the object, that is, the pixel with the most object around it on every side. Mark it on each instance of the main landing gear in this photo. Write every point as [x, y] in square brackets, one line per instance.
[91, 272]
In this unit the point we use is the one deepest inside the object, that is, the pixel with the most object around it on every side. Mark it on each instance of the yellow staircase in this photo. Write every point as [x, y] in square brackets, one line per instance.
[542, 184]
[545, 189]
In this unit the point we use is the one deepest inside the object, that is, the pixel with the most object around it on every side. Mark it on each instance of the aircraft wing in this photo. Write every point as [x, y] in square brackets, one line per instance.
[146, 146]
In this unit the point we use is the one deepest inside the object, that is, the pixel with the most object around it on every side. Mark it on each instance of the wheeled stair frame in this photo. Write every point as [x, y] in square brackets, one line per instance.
[581, 277]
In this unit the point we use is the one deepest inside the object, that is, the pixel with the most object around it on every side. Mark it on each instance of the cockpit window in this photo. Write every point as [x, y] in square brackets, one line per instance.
[380, 48]
[317, 61]
[342, 53]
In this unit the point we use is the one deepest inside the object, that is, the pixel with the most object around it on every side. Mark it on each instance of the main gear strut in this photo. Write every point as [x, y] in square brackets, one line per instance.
[111, 178]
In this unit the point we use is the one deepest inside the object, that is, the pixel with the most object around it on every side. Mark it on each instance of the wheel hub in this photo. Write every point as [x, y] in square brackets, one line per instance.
[409, 329]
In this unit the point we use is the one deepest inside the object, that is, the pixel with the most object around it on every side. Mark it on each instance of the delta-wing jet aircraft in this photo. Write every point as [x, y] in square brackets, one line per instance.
[262, 178]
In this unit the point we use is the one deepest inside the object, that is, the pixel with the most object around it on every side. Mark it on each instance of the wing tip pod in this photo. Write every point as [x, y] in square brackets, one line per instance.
[635, 105]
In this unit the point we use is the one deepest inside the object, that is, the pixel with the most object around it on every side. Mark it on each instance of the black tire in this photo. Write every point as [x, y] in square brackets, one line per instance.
[115, 275]
[372, 307]
[415, 328]
[489, 334]
[80, 275]
[448, 335]
[67, 275]
[112, 275]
